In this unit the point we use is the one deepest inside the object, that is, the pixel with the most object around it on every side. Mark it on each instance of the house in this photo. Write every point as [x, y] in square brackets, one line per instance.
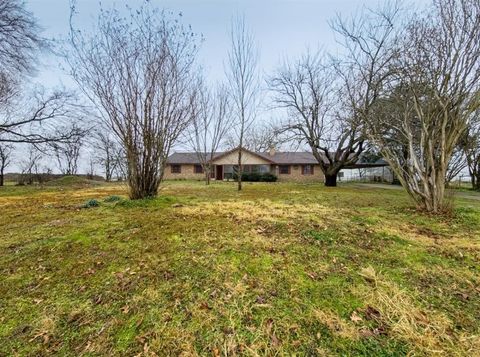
[287, 166]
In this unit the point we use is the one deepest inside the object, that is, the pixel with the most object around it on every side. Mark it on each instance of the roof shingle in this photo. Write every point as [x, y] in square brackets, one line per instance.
[279, 158]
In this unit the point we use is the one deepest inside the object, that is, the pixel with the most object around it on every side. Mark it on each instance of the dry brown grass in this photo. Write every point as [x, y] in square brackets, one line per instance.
[430, 332]
[274, 270]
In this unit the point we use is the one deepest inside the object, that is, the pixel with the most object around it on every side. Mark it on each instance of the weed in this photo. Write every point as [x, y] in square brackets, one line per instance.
[112, 198]
[91, 203]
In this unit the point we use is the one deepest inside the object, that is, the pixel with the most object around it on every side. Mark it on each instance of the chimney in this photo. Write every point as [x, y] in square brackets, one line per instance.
[271, 151]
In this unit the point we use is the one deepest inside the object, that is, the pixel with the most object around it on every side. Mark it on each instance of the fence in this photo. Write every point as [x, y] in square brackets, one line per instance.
[377, 174]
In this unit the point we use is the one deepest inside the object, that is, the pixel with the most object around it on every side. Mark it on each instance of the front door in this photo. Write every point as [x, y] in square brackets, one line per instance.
[219, 172]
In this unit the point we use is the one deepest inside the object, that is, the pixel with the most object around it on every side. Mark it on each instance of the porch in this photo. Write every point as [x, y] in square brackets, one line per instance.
[227, 172]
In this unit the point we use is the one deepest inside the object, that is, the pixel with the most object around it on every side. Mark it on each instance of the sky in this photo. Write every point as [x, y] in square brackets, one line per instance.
[282, 29]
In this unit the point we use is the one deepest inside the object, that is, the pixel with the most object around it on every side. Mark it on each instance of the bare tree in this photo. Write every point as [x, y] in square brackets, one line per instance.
[307, 89]
[435, 93]
[457, 164]
[67, 153]
[30, 166]
[91, 168]
[24, 117]
[210, 124]
[5, 159]
[107, 151]
[259, 138]
[32, 118]
[139, 73]
[470, 144]
[243, 79]
[20, 38]
[337, 139]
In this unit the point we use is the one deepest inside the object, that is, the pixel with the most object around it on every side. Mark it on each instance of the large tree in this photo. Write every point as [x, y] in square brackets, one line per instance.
[307, 89]
[243, 79]
[362, 69]
[139, 73]
[433, 96]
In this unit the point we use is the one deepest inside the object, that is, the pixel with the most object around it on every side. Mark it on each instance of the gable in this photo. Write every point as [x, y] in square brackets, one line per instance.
[248, 158]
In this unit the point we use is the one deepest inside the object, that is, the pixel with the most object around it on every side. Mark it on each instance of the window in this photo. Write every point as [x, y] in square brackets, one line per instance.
[176, 169]
[198, 169]
[229, 171]
[263, 168]
[284, 169]
[307, 170]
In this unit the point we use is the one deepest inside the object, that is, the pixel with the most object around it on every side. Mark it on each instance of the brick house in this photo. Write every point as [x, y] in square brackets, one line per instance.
[287, 166]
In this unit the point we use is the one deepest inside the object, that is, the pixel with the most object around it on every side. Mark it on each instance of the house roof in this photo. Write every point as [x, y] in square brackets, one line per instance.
[279, 158]
[264, 156]
[185, 158]
[283, 158]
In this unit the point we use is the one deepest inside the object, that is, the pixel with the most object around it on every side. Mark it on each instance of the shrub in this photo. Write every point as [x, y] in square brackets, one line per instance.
[112, 199]
[256, 177]
[251, 177]
[269, 177]
[91, 203]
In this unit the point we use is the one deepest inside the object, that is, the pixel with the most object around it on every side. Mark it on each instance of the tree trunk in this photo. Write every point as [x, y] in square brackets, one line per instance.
[3, 165]
[207, 176]
[108, 173]
[239, 173]
[331, 180]
[434, 202]
[476, 181]
[143, 181]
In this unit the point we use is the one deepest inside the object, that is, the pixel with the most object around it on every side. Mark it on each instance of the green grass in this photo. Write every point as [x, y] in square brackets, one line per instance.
[277, 269]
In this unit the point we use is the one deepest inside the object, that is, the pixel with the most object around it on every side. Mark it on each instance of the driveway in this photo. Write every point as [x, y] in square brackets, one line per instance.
[461, 194]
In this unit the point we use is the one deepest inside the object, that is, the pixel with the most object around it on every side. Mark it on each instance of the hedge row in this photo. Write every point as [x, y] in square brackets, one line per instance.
[257, 177]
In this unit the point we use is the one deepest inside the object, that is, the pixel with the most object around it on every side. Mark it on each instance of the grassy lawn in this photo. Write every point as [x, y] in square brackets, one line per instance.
[277, 269]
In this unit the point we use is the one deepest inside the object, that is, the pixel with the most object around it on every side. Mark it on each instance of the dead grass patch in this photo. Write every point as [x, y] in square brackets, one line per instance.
[337, 326]
[429, 332]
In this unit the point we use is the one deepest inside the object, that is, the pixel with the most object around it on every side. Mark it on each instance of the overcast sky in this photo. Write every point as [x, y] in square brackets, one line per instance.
[282, 28]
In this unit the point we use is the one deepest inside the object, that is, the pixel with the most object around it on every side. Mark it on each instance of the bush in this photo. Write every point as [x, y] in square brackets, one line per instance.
[251, 177]
[257, 177]
[91, 203]
[112, 199]
[269, 177]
